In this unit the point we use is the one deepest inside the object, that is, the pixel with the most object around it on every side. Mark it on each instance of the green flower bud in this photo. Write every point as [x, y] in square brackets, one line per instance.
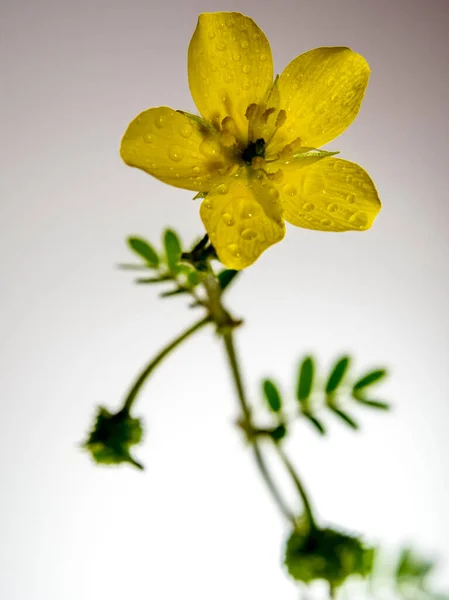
[326, 554]
[113, 435]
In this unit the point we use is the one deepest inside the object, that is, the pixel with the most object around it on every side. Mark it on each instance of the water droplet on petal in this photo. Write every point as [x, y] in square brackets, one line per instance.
[234, 250]
[211, 35]
[332, 208]
[351, 198]
[246, 69]
[186, 130]
[221, 46]
[246, 84]
[148, 138]
[359, 220]
[263, 57]
[222, 189]
[349, 178]
[274, 194]
[236, 57]
[176, 153]
[246, 213]
[338, 165]
[210, 148]
[196, 170]
[228, 219]
[229, 77]
[289, 190]
[208, 204]
[309, 207]
[244, 44]
[248, 234]
[325, 222]
[160, 121]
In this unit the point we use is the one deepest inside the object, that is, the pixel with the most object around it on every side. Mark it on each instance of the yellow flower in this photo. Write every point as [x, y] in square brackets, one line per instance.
[252, 154]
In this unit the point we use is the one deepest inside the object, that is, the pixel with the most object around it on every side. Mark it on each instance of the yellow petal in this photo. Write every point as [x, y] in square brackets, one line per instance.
[321, 91]
[230, 67]
[243, 218]
[330, 195]
[176, 149]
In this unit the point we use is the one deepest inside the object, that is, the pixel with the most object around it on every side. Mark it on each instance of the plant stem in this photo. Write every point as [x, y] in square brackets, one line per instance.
[230, 351]
[133, 392]
[299, 486]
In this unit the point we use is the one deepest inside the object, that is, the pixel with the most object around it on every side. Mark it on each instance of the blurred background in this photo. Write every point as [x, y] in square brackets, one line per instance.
[74, 331]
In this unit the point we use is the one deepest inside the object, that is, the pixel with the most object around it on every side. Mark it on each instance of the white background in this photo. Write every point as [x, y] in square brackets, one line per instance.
[74, 331]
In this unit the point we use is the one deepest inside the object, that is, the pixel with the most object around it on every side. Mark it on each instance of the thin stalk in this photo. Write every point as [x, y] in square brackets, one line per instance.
[232, 357]
[299, 486]
[134, 391]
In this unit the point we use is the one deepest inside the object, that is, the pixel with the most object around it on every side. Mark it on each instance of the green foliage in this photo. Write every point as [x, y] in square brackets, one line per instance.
[368, 379]
[278, 433]
[173, 250]
[112, 437]
[225, 277]
[326, 554]
[412, 568]
[272, 395]
[144, 250]
[337, 374]
[305, 379]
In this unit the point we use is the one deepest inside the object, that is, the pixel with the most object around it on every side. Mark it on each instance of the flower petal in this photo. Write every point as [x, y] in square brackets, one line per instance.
[321, 92]
[243, 218]
[330, 195]
[230, 67]
[176, 149]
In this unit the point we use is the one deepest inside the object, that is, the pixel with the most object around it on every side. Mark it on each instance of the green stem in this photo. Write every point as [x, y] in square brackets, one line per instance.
[132, 394]
[232, 357]
[299, 486]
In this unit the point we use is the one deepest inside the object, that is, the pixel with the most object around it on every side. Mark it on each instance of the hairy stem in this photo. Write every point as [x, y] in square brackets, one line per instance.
[299, 486]
[134, 391]
[230, 351]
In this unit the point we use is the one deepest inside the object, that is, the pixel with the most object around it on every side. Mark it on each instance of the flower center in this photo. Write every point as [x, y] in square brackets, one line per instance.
[253, 150]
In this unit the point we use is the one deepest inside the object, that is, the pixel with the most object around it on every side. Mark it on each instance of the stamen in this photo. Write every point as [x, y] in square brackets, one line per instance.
[251, 111]
[266, 114]
[229, 131]
[280, 119]
[290, 149]
[277, 176]
[258, 162]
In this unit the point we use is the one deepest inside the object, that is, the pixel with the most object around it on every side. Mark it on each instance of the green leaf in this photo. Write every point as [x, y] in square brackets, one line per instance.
[412, 567]
[144, 250]
[373, 403]
[175, 292]
[272, 395]
[278, 433]
[112, 437]
[193, 277]
[225, 277]
[337, 374]
[172, 249]
[160, 279]
[343, 416]
[314, 152]
[200, 195]
[305, 379]
[316, 423]
[369, 379]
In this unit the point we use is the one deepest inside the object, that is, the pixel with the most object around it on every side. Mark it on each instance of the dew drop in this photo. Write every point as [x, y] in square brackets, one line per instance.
[208, 204]
[290, 189]
[160, 121]
[246, 84]
[175, 153]
[332, 208]
[246, 69]
[148, 138]
[274, 194]
[211, 35]
[234, 250]
[349, 178]
[263, 57]
[308, 206]
[196, 170]
[221, 46]
[359, 219]
[210, 148]
[248, 234]
[222, 189]
[244, 44]
[186, 130]
[325, 222]
[338, 166]
[228, 219]
[236, 57]
[229, 78]
[223, 62]
[351, 198]
[246, 213]
[229, 21]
